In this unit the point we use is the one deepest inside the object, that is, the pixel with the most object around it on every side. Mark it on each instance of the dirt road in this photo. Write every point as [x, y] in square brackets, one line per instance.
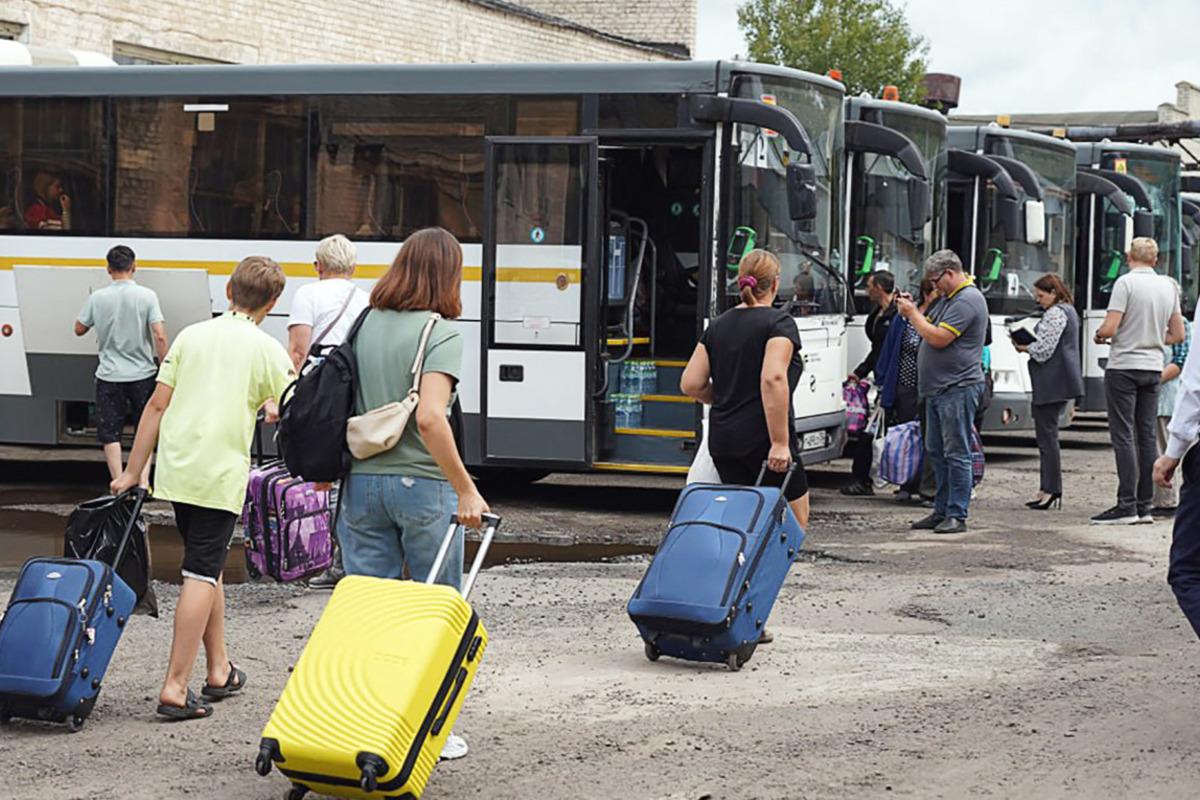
[1034, 656]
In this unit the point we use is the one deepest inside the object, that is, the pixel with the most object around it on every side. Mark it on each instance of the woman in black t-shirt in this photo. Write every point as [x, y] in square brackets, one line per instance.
[746, 367]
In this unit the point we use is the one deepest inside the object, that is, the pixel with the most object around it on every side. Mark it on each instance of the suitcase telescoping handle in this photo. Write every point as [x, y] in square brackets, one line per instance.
[791, 470]
[490, 523]
[138, 495]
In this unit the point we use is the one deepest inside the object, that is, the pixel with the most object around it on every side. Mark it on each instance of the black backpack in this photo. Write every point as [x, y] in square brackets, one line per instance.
[313, 412]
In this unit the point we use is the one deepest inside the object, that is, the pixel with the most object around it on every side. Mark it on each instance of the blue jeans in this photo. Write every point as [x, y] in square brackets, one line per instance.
[390, 521]
[950, 416]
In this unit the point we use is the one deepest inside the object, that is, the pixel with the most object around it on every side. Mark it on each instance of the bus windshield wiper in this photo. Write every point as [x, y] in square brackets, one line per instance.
[840, 277]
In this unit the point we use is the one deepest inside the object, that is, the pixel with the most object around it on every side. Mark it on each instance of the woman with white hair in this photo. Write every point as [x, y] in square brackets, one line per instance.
[322, 314]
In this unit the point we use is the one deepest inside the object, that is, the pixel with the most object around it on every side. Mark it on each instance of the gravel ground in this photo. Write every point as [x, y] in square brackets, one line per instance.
[1034, 656]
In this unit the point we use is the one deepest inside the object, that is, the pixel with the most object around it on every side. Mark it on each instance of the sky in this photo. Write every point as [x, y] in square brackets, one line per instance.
[1033, 55]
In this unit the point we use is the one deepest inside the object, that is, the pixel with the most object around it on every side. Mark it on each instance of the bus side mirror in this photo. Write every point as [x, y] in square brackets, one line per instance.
[1035, 222]
[1143, 223]
[802, 191]
[1127, 226]
[1009, 211]
[920, 204]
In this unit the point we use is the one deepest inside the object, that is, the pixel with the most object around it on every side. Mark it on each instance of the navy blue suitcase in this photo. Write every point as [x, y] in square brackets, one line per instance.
[709, 590]
[57, 636]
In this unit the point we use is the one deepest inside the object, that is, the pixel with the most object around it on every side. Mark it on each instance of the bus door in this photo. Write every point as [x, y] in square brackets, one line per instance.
[539, 301]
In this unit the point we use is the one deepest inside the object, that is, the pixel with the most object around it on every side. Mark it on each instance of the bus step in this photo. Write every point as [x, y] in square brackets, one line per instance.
[669, 412]
[653, 446]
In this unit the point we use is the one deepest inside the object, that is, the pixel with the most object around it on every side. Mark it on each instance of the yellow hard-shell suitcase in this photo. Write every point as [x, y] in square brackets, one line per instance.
[376, 691]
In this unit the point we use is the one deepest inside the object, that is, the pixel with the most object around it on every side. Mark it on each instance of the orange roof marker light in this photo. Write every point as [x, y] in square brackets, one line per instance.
[836, 74]
[1004, 120]
[891, 93]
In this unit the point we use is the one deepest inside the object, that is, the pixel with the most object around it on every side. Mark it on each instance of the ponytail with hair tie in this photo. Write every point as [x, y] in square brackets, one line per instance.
[747, 280]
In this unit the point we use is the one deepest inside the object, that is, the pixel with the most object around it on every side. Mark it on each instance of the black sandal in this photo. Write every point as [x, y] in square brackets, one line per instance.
[858, 490]
[233, 684]
[193, 708]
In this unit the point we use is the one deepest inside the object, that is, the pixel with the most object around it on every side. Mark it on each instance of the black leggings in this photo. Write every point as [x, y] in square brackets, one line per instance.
[743, 471]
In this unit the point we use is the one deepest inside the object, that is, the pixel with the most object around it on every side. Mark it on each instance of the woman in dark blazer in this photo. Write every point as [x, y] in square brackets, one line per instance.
[1056, 373]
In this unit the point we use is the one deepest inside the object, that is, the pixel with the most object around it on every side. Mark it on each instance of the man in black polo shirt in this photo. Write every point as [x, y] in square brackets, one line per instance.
[951, 382]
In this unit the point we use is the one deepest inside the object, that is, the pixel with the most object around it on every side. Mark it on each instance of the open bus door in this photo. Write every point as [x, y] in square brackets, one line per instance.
[539, 301]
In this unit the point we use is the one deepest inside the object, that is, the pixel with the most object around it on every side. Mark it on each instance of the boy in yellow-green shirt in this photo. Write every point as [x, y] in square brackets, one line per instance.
[213, 381]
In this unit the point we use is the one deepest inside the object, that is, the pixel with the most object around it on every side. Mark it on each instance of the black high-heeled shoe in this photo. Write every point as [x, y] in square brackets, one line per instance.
[1051, 501]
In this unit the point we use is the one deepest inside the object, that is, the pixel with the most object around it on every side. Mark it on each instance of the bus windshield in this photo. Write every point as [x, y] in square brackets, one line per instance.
[886, 238]
[1161, 178]
[1108, 264]
[1009, 269]
[812, 264]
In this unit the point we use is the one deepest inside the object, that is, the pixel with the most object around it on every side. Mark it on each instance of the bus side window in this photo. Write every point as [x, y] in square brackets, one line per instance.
[52, 163]
[194, 167]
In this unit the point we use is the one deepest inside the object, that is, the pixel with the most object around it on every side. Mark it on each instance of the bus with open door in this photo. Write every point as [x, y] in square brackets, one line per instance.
[600, 209]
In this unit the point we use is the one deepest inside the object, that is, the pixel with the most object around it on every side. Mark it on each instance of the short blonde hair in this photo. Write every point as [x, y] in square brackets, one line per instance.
[1144, 250]
[337, 254]
[256, 282]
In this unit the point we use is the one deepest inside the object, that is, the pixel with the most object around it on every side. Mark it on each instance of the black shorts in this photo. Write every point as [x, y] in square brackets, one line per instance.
[115, 401]
[744, 472]
[207, 533]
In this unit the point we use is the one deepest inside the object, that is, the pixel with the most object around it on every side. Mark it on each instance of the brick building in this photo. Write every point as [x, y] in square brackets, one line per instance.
[394, 31]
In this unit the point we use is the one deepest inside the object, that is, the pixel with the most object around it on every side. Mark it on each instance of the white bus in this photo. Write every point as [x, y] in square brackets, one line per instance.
[895, 200]
[1149, 177]
[1011, 227]
[599, 207]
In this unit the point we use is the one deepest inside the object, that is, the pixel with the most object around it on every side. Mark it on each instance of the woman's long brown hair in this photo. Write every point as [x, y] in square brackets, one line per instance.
[1052, 284]
[426, 275]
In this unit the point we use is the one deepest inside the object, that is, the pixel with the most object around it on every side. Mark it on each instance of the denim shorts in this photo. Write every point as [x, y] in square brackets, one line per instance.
[389, 522]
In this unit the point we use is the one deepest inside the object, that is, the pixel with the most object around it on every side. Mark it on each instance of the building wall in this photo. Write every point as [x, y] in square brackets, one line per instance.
[309, 31]
[669, 23]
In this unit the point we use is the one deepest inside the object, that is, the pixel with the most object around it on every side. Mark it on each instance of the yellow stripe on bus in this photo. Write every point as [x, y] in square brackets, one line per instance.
[657, 469]
[296, 269]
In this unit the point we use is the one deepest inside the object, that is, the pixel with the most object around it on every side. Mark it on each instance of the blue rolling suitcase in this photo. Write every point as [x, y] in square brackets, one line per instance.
[58, 634]
[716, 574]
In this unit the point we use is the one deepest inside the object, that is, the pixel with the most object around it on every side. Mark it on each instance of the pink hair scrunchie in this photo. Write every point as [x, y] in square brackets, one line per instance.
[747, 280]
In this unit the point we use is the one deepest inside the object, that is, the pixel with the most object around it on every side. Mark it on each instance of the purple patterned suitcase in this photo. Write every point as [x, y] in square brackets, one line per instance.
[288, 525]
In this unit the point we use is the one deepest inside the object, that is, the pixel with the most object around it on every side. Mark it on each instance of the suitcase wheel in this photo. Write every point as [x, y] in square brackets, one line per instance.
[734, 661]
[652, 652]
[74, 724]
[297, 792]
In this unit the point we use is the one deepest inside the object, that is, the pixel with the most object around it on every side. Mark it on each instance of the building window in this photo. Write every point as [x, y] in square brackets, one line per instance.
[135, 54]
[13, 31]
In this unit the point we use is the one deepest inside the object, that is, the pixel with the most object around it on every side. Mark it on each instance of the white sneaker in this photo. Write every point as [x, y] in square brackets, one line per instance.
[1145, 519]
[455, 747]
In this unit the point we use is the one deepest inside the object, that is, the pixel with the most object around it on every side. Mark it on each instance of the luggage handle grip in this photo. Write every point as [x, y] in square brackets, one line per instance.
[787, 478]
[440, 722]
[138, 494]
[490, 523]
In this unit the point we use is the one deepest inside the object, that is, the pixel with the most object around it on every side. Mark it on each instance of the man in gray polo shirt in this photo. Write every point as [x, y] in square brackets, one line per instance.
[1143, 316]
[950, 381]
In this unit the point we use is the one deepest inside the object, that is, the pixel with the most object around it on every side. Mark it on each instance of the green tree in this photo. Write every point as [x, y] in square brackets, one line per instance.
[870, 41]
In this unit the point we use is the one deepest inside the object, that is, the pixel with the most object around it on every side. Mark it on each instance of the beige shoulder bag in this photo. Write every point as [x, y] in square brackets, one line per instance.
[380, 429]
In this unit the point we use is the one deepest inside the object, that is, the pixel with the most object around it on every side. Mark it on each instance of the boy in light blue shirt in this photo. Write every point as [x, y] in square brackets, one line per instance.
[132, 341]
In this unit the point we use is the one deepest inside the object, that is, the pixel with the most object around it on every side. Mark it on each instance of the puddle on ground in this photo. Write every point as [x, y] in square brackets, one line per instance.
[26, 534]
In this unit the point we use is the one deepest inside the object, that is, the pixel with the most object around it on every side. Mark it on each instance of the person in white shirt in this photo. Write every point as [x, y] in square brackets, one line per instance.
[322, 315]
[1143, 316]
[1184, 571]
[323, 312]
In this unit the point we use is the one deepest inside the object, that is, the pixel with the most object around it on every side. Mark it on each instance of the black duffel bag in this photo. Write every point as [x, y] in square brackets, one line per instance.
[109, 528]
